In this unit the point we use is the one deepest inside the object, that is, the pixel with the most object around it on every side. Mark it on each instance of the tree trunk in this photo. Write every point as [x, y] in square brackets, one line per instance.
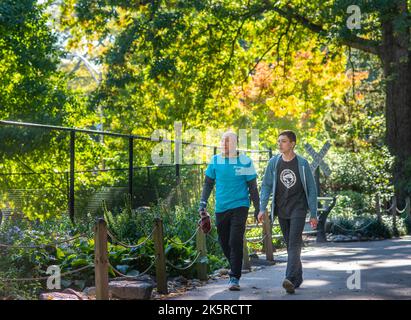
[396, 57]
[397, 68]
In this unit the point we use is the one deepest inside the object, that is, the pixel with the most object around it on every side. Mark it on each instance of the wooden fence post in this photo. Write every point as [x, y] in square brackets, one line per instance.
[161, 276]
[263, 247]
[394, 216]
[246, 258]
[202, 249]
[268, 240]
[101, 260]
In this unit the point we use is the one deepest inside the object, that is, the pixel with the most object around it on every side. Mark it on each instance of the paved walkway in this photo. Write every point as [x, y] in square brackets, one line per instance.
[384, 273]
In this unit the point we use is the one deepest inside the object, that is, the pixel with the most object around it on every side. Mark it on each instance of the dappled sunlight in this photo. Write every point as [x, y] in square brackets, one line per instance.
[399, 246]
[316, 283]
[391, 263]
[332, 266]
[114, 165]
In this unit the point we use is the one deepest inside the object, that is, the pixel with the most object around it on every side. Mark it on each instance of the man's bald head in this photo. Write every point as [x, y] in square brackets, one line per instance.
[229, 144]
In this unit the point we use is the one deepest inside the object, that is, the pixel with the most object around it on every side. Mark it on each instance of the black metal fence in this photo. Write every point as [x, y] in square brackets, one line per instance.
[143, 184]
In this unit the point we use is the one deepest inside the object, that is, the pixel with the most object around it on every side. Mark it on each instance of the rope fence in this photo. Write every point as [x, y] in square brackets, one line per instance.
[124, 276]
[186, 267]
[392, 211]
[256, 240]
[47, 277]
[42, 246]
[352, 230]
[209, 236]
[141, 244]
[185, 242]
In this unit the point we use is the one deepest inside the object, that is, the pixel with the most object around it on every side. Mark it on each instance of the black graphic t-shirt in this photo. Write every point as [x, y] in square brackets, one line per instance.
[290, 199]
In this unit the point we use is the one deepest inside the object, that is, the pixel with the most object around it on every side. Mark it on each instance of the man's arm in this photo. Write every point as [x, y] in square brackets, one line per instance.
[255, 197]
[205, 194]
[266, 187]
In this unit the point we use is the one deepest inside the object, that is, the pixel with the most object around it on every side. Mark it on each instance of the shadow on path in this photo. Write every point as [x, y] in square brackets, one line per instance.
[380, 270]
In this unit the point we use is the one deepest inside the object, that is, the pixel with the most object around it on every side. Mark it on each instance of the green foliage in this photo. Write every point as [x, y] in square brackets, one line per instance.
[15, 290]
[407, 223]
[358, 121]
[33, 262]
[179, 224]
[31, 87]
[214, 64]
[351, 204]
[278, 242]
[160, 63]
[366, 172]
[130, 225]
[211, 64]
[368, 226]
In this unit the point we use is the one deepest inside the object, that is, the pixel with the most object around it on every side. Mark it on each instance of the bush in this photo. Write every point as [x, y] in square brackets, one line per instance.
[33, 262]
[350, 204]
[179, 225]
[129, 224]
[367, 172]
[401, 228]
[278, 242]
[367, 226]
[407, 222]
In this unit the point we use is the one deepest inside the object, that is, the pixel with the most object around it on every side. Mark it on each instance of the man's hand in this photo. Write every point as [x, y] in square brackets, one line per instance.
[256, 214]
[205, 221]
[260, 217]
[313, 223]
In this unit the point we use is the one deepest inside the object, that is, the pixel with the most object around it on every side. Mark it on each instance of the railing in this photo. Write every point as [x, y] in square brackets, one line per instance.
[160, 261]
[101, 257]
[323, 212]
[394, 211]
[70, 175]
[42, 246]
[267, 229]
[102, 263]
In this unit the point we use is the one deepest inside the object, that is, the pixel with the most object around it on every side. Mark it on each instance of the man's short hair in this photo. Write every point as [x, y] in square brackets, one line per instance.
[290, 134]
[231, 135]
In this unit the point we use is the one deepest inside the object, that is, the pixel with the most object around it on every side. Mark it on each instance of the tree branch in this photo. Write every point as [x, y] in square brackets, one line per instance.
[227, 64]
[356, 42]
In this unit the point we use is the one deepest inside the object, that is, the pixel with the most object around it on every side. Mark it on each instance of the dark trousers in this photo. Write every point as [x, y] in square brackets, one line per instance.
[292, 230]
[230, 228]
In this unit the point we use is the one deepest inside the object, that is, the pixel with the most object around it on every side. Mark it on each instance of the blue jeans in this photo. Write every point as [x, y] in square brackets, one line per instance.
[292, 230]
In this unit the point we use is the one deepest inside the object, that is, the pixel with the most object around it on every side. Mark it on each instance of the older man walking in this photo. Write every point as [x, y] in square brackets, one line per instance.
[235, 179]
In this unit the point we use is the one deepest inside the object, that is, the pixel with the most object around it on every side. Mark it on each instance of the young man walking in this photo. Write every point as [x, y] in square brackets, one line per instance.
[235, 179]
[289, 178]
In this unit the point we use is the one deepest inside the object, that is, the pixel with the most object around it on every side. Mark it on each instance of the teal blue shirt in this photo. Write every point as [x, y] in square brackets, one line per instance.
[231, 176]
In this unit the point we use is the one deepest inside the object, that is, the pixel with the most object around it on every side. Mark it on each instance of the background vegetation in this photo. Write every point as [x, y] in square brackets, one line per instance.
[138, 66]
